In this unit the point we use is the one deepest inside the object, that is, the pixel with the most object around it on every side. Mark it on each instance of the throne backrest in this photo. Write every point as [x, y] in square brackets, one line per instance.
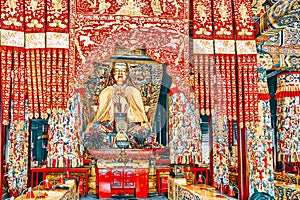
[144, 75]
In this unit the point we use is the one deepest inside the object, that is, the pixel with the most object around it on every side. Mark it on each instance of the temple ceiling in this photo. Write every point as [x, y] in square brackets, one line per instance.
[278, 32]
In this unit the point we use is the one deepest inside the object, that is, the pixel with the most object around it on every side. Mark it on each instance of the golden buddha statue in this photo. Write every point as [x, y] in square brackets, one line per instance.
[120, 101]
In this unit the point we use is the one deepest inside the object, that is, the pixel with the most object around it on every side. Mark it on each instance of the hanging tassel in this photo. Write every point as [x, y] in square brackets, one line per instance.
[29, 84]
[60, 79]
[16, 86]
[39, 82]
[240, 102]
[224, 86]
[201, 85]
[5, 86]
[44, 114]
[34, 84]
[206, 83]
[196, 81]
[54, 84]
[48, 95]
[255, 88]
[22, 87]
[229, 81]
[66, 79]
[211, 82]
[218, 93]
[233, 87]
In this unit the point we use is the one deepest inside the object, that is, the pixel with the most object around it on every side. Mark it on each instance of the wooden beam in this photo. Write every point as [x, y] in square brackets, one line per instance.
[283, 50]
[271, 22]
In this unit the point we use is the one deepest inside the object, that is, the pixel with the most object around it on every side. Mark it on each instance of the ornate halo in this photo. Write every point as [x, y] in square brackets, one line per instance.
[121, 125]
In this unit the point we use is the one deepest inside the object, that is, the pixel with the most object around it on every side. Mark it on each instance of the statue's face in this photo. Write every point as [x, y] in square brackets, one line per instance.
[120, 73]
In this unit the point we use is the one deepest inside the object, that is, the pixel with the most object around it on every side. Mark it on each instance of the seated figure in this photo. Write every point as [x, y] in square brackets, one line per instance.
[120, 101]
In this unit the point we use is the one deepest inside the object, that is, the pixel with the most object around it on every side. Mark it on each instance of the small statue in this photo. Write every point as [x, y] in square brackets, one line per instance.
[121, 137]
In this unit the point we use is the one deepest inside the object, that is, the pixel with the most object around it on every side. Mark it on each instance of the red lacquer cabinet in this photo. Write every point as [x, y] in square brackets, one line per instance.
[118, 181]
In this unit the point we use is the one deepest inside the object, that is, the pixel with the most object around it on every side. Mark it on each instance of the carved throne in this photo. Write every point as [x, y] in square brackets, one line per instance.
[145, 74]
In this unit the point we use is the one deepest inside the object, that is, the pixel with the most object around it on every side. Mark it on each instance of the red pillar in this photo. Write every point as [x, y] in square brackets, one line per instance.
[211, 151]
[243, 165]
[2, 138]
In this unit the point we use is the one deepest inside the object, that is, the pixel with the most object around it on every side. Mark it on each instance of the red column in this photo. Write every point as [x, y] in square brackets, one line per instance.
[211, 149]
[2, 138]
[243, 169]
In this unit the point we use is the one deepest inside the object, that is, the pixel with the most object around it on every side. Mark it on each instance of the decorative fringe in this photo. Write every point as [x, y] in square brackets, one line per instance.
[287, 91]
[6, 70]
[288, 85]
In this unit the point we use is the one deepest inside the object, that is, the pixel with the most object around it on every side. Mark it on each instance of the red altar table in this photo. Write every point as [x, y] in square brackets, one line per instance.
[116, 181]
[111, 154]
[45, 171]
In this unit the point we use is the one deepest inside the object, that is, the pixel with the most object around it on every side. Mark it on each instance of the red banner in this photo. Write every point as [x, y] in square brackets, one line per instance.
[35, 19]
[5, 83]
[243, 20]
[12, 16]
[203, 49]
[12, 35]
[202, 20]
[223, 22]
[224, 45]
[246, 50]
[58, 16]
